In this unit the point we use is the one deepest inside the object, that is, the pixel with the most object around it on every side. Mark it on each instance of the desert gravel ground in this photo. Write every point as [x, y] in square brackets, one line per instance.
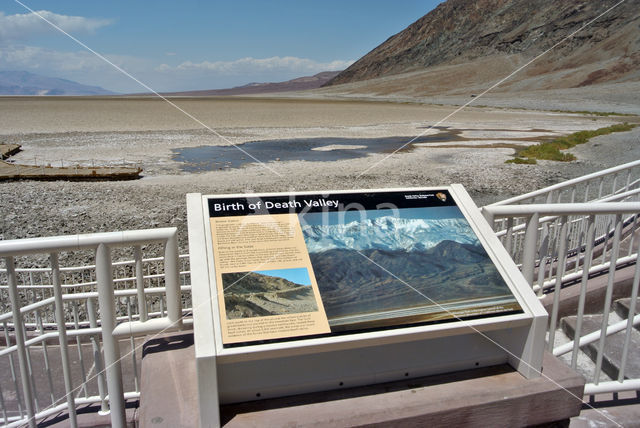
[102, 131]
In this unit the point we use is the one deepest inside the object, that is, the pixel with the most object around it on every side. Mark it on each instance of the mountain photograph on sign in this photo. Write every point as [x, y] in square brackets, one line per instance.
[264, 293]
[407, 266]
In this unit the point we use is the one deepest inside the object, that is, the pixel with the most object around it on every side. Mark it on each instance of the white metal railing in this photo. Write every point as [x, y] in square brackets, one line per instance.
[36, 284]
[548, 263]
[617, 184]
[515, 232]
[588, 188]
[91, 311]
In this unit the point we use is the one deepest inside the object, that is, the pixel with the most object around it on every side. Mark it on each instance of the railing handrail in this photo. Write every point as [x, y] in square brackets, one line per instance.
[54, 244]
[492, 212]
[91, 267]
[566, 184]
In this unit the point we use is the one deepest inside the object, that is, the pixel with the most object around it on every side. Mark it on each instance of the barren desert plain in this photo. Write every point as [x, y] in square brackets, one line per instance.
[282, 144]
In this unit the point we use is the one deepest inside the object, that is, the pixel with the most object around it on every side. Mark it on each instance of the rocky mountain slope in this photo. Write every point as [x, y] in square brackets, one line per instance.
[350, 284]
[252, 282]
[250, 294]
[468, 43]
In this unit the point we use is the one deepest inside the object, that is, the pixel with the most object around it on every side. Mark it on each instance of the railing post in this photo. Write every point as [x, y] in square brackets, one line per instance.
[62, 335]
[586, 265]
[488, 215]
[549, 199]
[630, 317]
[172, 280]
[142, 300]
[5, 417]
[97, 358]
[14, 377]
[560, 266]
[609, 294]
[529, 254]
[19, 332]
[543, 255]
[104, 278]
[508, 244]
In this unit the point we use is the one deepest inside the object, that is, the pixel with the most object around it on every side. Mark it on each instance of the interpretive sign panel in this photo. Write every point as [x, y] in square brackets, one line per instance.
[319, 264]
[305, 292]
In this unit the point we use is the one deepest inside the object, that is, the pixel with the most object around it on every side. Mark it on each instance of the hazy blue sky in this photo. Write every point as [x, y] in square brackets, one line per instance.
[182, 45]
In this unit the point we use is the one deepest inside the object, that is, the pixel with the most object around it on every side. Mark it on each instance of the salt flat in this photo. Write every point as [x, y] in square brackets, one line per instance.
[145, 130]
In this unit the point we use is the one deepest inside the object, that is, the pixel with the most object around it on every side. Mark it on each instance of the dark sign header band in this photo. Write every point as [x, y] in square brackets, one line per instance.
[318, 202]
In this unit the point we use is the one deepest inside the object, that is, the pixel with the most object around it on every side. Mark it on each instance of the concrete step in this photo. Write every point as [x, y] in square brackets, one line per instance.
[614, 344]
[622, 307]
[584, 365]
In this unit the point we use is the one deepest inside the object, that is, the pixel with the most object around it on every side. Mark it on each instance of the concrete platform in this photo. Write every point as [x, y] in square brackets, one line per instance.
[168, 384]
[609, 410]
[13, 171]
[494, 396]
[87, 414]
[8, 150]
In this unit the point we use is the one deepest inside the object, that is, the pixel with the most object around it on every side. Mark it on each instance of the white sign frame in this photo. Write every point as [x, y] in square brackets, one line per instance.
[244, 373]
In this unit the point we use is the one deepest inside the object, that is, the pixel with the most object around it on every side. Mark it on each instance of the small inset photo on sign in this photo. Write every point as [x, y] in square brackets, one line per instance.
[268, 292]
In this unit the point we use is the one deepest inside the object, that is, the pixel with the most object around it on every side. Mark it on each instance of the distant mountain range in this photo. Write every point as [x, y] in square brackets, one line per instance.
[388, 233]
[25, 83]
[299, 84]
[465, 44]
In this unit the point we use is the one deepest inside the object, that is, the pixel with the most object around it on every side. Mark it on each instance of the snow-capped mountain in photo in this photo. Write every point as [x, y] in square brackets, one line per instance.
[388, 233]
